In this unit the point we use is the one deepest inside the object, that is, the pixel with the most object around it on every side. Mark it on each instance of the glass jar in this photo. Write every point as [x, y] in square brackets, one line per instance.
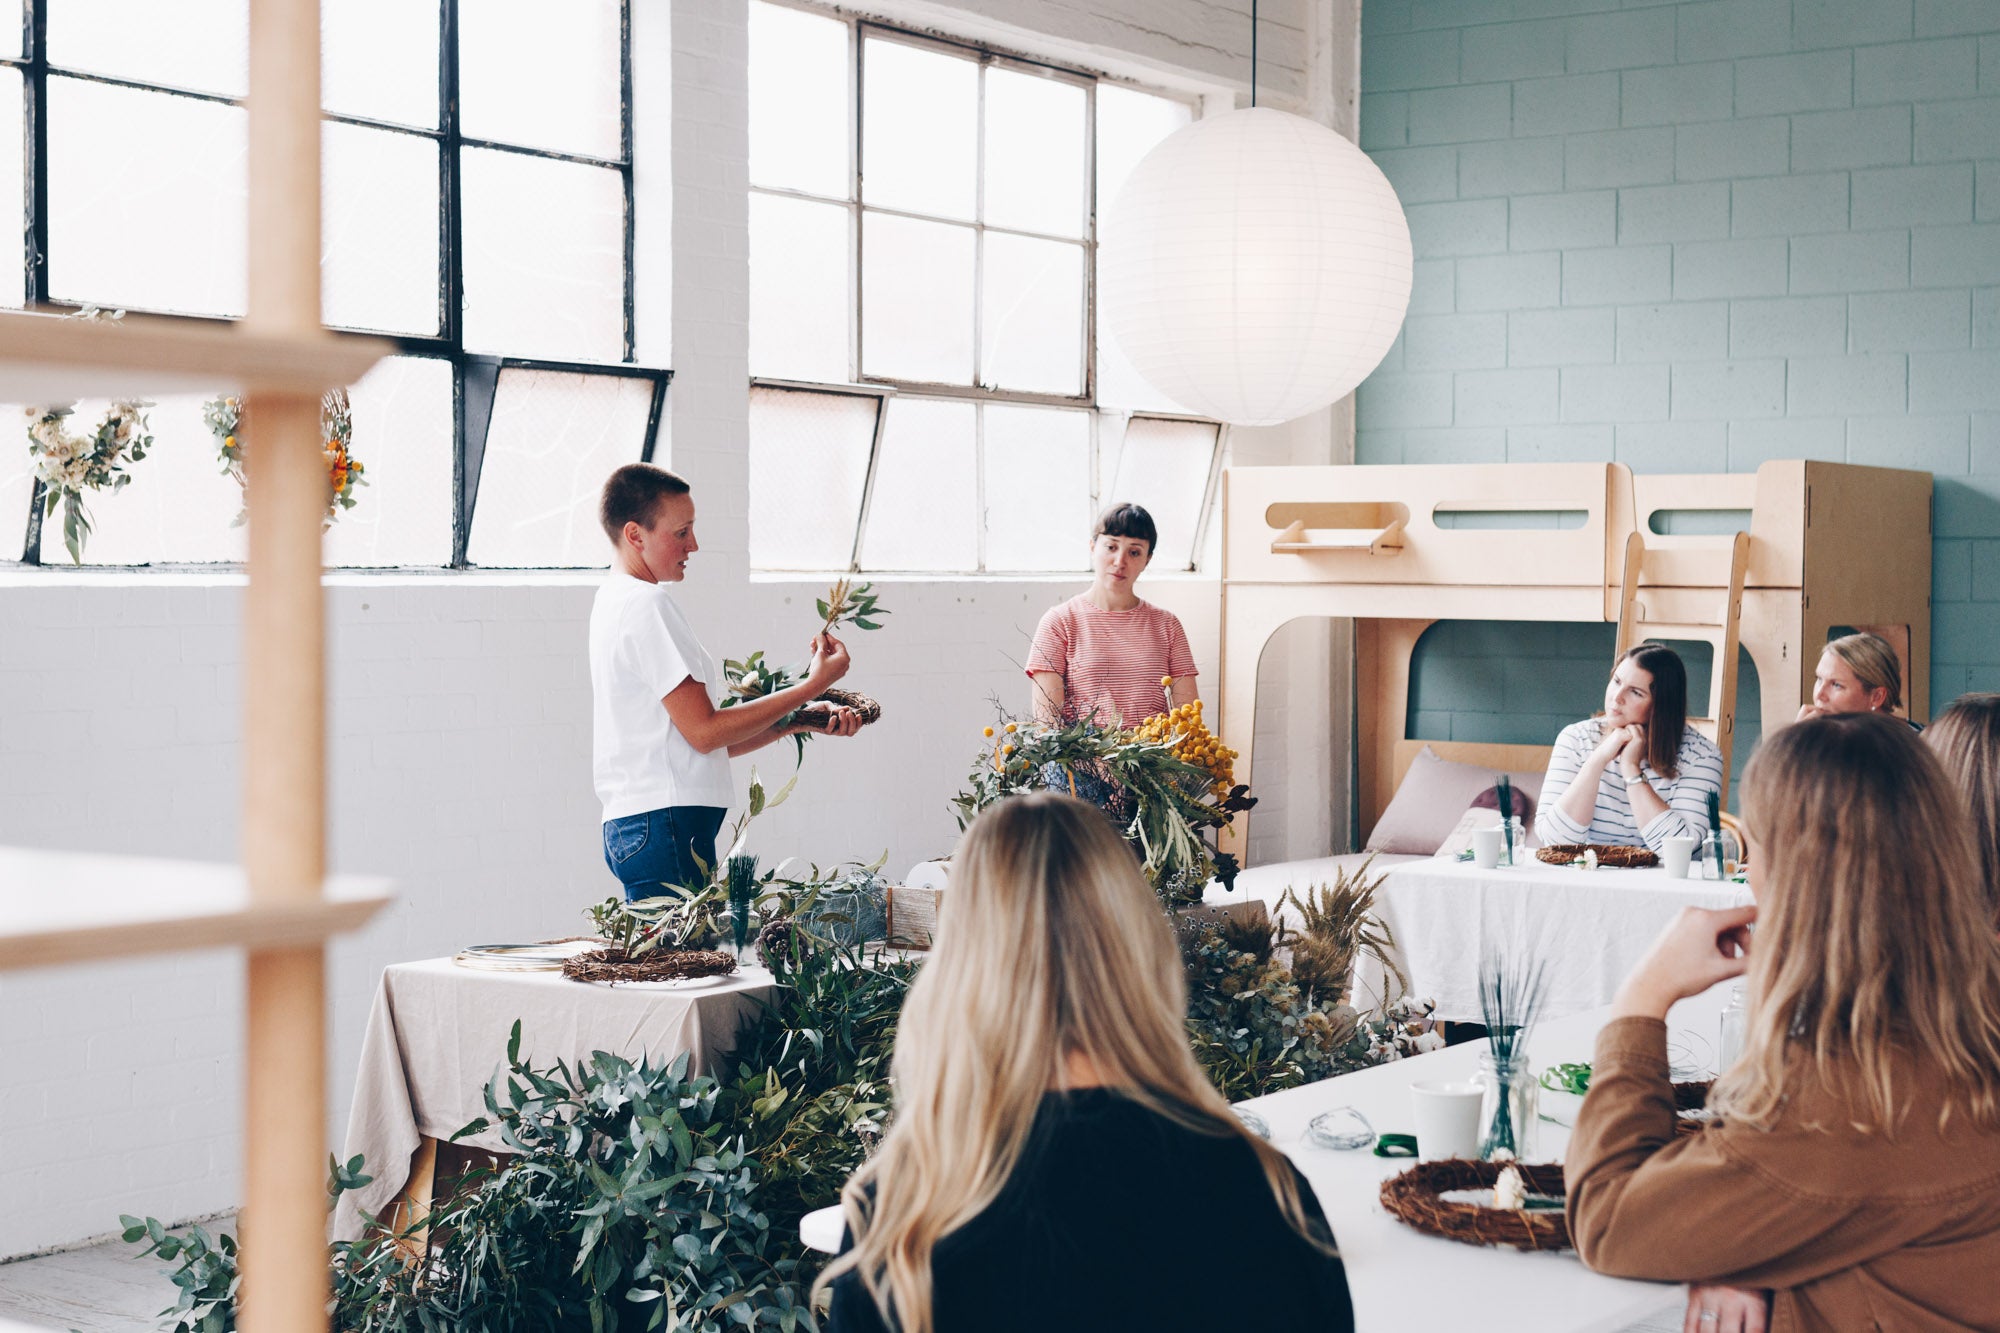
[1508, 1105]
[1513, 838]
[1730, 1043]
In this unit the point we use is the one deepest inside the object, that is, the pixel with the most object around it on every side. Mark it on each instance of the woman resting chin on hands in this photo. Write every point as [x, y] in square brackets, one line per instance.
[1638, 774]
[1853, 1169]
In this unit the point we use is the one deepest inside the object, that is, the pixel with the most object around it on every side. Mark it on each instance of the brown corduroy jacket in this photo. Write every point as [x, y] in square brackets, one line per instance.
[1850, 1230]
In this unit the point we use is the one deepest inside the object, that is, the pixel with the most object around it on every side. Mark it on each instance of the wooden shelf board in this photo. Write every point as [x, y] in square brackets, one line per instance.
[70, 907]
[49, 359]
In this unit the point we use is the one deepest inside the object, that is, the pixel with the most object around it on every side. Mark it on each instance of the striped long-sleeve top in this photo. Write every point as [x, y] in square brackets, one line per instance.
[1612, 822]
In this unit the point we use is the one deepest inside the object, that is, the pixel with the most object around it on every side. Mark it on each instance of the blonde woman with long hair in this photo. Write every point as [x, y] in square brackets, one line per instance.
[1966, 737]
[1857, 673]
[1855, 1171]
[1058, 1160]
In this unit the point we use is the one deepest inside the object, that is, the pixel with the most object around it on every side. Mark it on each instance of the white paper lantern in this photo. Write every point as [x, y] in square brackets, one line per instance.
[1255, 267]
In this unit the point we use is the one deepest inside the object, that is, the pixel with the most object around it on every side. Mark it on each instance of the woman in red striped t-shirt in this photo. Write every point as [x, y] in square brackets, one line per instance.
[1104, 653]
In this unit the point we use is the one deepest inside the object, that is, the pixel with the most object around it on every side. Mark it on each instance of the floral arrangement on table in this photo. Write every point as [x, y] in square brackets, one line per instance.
[752, 677]
[1162, 785]
[1260, 1024]
[224, 418]
[67, 464]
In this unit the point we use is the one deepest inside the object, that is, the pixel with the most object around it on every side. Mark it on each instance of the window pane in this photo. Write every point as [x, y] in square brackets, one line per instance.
[542, 75]
[798, 101]
[544, 257]
[403, 441]
[919, 127]
[12, 153]
[1031, 314]
[1164, 467]
[1037, 488]
[379, 230]
[146, 200]
[203, 45]
[800, 301]
[178, 507]
[916, 299]
[808, 465]
[555, 437]
[379, 59]
[1129, 124]
[1034, 153]
[17, 481]
[924, 513]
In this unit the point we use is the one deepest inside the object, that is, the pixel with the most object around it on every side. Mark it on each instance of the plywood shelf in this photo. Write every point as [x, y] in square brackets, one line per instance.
[48, 359]
[73, 907]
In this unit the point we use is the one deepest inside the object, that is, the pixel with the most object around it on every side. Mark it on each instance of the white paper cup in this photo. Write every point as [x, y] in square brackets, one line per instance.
[1486, 847]
[1447, 1116]
[1680, 852]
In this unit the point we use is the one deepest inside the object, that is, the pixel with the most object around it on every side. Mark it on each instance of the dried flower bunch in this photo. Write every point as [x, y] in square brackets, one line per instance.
[224, 419]
[1184, 731]
[68, 464]
[846, 603]
[1340, 926]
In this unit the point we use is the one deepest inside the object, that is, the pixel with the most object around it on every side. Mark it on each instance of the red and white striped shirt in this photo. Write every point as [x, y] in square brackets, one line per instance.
[1111, 662]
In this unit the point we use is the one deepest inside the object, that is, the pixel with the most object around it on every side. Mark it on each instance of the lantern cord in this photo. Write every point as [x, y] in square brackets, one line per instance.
[1253, 52]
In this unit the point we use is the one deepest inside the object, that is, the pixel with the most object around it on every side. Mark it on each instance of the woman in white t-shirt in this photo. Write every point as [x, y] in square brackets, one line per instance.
[660, 747]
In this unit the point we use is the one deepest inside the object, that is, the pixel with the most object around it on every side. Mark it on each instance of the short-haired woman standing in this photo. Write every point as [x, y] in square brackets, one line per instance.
[1057, 1154]
[1104, 652]
[1637, 774]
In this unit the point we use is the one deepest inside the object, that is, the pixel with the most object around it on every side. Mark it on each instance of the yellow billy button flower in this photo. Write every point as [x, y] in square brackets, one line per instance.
[988, 732]
[1006, 749]
[1011, 728]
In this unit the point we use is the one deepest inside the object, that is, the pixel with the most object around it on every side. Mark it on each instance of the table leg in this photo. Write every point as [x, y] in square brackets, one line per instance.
[412, 1208]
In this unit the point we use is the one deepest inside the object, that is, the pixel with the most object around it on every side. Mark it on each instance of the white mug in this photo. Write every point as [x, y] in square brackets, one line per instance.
[1486, 847]
[1447, 1116]
[1680, 852]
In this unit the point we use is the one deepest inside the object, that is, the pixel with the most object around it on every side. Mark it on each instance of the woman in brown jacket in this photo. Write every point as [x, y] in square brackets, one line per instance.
[1855, 1171]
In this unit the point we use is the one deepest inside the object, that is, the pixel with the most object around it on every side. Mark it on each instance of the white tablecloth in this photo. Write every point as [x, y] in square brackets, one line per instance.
[1403, 1280]
[438, 1033]
[1589, 926]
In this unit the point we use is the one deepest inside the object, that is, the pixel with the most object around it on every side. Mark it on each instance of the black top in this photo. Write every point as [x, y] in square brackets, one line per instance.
[1118, 1218]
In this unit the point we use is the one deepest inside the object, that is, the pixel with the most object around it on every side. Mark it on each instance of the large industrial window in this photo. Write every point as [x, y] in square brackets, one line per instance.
[477, 208]
[931, 393]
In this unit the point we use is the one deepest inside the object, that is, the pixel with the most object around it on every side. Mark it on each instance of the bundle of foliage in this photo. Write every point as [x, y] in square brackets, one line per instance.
[1167, 807]
[1256, 1029]
[1340, 926]
[752, 677]
[807, 1084]
[630, 1203]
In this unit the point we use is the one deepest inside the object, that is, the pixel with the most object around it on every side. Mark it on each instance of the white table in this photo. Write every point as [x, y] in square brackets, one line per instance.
[1402, 1279]
[438, 1033]
[1591, 926]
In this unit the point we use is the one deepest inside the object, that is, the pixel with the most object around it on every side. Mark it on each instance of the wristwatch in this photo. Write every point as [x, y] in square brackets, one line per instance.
[1634, 780]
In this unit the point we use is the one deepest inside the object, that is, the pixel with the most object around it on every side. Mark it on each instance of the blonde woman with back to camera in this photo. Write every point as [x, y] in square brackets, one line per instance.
[1853, 1179]
[1058, 1160]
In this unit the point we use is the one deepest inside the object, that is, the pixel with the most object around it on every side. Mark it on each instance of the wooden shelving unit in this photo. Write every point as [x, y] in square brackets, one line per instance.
[279, 906]
[80, 907]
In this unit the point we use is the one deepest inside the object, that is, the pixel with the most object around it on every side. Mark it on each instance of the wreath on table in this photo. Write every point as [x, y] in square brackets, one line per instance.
[68, 464]
[224, 418]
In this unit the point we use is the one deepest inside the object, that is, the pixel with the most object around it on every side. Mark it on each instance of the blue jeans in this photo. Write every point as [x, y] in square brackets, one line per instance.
[655, 852]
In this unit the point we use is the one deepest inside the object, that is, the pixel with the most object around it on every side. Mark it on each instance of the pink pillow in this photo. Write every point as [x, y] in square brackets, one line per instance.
[1433, 796]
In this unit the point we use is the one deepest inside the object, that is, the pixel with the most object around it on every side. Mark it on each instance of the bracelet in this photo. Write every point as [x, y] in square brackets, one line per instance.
[1635, 780]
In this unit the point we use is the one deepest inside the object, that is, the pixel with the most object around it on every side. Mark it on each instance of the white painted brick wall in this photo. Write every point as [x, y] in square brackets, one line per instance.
[459, 718]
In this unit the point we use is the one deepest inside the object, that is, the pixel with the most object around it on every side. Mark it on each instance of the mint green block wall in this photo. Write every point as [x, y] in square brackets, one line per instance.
[1691, 237]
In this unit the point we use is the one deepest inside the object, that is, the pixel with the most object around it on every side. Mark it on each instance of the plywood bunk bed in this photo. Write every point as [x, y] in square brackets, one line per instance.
[1396, 549]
